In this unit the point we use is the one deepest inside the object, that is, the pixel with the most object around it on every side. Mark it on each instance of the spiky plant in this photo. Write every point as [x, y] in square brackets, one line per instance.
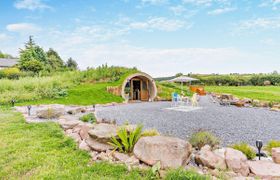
[126, 139]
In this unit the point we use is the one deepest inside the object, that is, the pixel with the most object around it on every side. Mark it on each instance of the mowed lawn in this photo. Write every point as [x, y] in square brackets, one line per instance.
[265, 93]
[83, 94]
[41, 151]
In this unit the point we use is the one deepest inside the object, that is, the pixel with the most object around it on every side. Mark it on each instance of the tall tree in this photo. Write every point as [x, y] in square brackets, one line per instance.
[54, 60]
[32, 55]
[72, 64]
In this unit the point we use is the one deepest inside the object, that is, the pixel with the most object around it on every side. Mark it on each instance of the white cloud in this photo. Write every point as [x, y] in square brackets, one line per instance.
[221, 11]
[273, 4]
[31, 4]
[259, 23]
[154, 2]
[199, 2]
[158, 23]
[23, 28]
[178, 10]
[164, 62]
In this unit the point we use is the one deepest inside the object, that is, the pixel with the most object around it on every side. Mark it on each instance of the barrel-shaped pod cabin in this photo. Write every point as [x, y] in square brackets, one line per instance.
[139, 87]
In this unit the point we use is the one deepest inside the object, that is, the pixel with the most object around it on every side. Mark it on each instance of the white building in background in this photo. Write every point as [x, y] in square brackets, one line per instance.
[7, 63]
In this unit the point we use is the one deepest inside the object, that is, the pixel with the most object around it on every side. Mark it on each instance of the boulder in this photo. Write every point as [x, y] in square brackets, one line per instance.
[50, 113]
[247, 100]
[236, 161]
[209, 159]
[275, 152]
[133, 161]
[220, 152]
[98, 146]
[238, 103]
[83, 129]
[170, 151]
[120, 156]
[103, 132]
[68, 124]
[84, 146]
[76, 110]
[75, 136]
[226, 97]
[275, 107]
[265, 169]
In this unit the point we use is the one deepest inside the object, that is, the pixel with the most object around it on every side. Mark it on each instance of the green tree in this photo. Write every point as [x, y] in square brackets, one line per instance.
[72, 64]
[179, 74]
[33, 66]
[54, 60]
[32, 55]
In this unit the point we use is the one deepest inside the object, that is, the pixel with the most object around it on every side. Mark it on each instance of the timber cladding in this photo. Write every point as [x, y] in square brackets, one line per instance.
[116, 90]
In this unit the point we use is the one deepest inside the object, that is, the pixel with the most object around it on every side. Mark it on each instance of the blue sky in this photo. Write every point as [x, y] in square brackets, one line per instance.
[160, 37]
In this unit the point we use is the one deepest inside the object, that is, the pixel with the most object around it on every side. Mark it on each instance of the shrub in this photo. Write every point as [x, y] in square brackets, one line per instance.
[245, 149]
[88, 118]
[272, 144]
[12, 73]
[181, 174]
[126, 139]
[150, 132]
[201, 138]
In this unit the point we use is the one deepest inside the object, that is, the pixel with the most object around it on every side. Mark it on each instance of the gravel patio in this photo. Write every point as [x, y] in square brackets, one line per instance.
[231, 124]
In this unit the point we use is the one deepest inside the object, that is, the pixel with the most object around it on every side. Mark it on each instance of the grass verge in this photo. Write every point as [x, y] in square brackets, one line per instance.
[41, 151]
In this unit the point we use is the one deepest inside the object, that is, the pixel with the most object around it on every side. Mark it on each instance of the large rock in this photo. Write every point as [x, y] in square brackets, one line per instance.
[275, 152]
[98, 146]
[171, 152]
[76, 110]
[120, 156]
[209, 159]
[265, 169]
[236, 161]
[68, 124]
[83, 129]
[103, 132]
[84, 146]
[275, 107]
[226, 97]
[75, 136]
[50, 113]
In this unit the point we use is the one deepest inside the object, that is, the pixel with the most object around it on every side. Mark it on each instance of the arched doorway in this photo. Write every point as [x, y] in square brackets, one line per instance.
[139, 87]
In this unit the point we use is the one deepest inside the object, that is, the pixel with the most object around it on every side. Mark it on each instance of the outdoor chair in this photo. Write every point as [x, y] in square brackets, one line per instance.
[177, 100]
[194, 100]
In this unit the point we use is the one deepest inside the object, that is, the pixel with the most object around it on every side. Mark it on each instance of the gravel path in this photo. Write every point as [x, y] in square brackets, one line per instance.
[231, 124]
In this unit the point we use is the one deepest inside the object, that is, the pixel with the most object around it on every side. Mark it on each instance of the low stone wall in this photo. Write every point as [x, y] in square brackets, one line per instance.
[171, 152]
[228, 99]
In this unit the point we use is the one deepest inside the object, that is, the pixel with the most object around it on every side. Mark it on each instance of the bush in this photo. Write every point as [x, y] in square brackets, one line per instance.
[181, 174]
[272, 144]
[201, 138]
[126, 139]
[150, 132]
[88, 118]
[12, 73]
[245, 149]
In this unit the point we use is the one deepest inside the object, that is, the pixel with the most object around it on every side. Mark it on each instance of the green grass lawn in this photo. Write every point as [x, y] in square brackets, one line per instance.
[265, 93]
[84, 94]
[41, 151]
